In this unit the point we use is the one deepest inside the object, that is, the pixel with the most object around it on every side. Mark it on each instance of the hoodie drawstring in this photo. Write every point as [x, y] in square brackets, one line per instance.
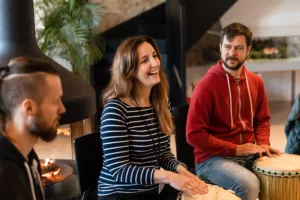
[250, 99]
[30, 180]
[230, 100]
[35, 171]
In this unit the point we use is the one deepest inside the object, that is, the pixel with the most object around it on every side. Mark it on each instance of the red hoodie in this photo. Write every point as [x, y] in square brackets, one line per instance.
[225, 112]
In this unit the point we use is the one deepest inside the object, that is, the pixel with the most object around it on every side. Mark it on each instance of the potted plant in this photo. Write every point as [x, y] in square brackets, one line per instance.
[66, 28]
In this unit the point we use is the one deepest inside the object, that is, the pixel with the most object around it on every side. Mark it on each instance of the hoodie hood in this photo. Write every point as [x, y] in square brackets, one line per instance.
[218, 70]
[9, 152]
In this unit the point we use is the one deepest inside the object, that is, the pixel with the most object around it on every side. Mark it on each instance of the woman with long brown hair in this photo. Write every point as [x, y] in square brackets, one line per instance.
[135, 128]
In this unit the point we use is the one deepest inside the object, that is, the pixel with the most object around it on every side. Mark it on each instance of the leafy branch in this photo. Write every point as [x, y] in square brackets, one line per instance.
[68, 31]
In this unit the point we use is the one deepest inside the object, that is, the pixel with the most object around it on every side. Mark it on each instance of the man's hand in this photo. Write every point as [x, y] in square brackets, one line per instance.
[248, 149]
[269, 150]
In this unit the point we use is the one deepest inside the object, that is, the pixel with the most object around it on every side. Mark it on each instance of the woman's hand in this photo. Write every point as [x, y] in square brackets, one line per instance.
[184, 181]
[183, 171]
[187, 183]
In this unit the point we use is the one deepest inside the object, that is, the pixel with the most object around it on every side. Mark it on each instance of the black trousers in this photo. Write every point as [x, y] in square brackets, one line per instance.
[136, 196]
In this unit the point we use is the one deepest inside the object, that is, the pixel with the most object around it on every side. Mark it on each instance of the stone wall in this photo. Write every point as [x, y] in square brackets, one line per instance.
[117, 11]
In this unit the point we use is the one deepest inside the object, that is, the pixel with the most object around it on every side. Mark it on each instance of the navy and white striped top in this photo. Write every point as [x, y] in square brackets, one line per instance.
[132, 143]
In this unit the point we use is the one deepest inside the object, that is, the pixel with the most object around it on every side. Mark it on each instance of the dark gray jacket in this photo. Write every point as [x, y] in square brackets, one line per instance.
[19, 179]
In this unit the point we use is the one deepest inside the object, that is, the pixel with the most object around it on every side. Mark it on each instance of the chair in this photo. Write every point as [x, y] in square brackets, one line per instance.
[185, 152]
[88, 156]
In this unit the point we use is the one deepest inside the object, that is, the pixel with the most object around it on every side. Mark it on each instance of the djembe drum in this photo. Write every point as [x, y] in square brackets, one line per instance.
[279, 177]
[214, 193]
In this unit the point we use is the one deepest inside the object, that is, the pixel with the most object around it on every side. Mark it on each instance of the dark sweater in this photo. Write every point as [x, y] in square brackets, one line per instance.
[19, 179]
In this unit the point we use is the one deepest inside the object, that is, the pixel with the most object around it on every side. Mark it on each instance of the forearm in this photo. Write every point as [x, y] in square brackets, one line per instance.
[262, 133]
[169, 162]
[198, 126]
[209, 143]
[161, 176]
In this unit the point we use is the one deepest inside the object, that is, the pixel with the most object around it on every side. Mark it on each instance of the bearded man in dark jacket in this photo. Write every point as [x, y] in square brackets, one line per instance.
[30, 108]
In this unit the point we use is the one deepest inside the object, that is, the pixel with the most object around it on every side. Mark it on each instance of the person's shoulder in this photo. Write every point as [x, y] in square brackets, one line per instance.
[115, 104]
[115, 107]
[253, 75]
[212, 75]
[206, 83]
[8, 163]
[8, 169]
[255, 78]
[13, 179]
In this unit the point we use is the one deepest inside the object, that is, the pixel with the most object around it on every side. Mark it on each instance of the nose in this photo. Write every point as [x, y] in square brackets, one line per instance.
[62, 108]
[155, 62]
[232, 51]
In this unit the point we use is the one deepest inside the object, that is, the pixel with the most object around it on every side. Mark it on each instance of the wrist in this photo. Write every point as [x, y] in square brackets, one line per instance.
[167, 177]
[181, 169]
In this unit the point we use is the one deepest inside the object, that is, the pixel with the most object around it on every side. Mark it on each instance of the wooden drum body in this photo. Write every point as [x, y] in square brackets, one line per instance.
[279, 177]
[214, 193]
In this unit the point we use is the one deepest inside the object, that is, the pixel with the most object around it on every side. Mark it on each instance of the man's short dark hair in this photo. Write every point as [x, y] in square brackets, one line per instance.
[235, 29]
[22, 78]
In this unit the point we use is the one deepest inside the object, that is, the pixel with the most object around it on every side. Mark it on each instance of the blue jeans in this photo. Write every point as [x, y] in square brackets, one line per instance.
[231, 175]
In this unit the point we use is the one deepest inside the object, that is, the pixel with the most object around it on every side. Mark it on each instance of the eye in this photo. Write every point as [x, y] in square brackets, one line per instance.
[239, 48]
[227, 47]
[144, 60]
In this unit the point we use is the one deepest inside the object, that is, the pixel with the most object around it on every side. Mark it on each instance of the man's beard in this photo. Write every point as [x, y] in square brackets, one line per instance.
[236, 67]
[38, 128]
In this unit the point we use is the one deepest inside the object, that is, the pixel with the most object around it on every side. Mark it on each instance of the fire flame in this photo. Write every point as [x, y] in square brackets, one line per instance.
[51, 174]
[64, 130]
[49, 162]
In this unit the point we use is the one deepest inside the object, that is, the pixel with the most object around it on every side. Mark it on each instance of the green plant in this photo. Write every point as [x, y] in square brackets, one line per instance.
[68, 31]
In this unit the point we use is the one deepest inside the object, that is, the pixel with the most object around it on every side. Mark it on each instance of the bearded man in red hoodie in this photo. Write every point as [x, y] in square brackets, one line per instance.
[228, 120]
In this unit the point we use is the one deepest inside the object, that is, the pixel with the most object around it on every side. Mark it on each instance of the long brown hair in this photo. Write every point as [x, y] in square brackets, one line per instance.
[123, 71]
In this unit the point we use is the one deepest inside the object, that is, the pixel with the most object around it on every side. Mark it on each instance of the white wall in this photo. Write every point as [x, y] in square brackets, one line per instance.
[265, 18]
[277, 84]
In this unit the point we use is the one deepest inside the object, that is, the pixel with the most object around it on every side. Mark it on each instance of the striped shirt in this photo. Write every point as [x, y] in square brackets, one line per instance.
[132, 145]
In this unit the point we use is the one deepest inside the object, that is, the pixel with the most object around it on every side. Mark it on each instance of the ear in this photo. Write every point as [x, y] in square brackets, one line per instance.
[29, 107]
[248, 50]
[220, 45]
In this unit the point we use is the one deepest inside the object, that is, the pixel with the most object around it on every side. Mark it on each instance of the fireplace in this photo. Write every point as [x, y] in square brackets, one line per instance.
[17, 38]
[54, 171]
[62, 146]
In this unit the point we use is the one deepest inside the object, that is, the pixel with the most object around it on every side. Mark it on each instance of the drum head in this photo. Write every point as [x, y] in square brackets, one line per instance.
[282, 163]
[214, 193]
